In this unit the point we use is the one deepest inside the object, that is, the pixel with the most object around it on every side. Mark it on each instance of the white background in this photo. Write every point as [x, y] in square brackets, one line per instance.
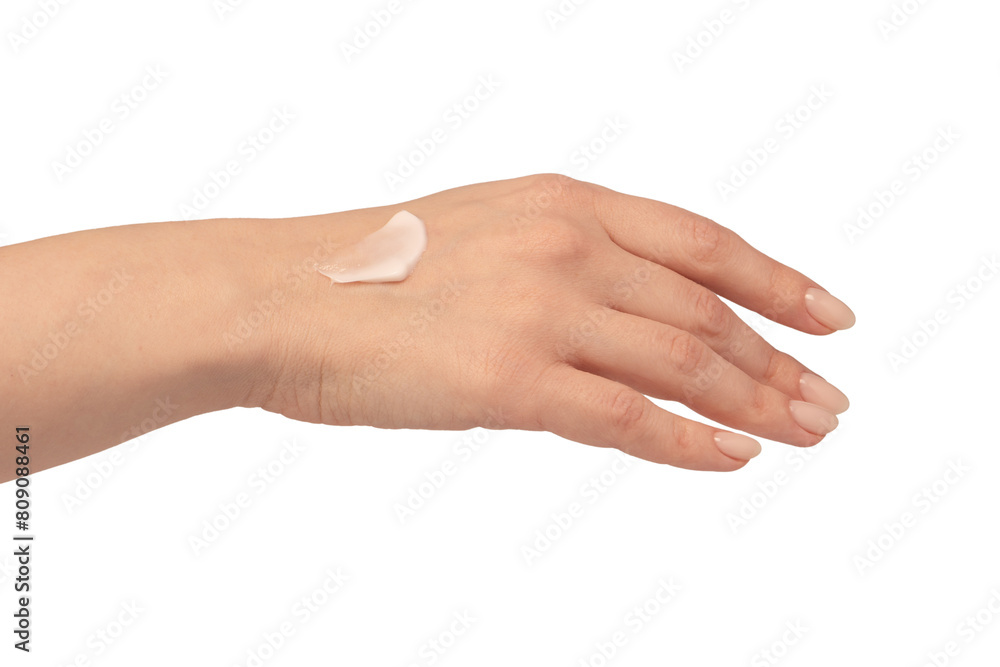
[793, 558]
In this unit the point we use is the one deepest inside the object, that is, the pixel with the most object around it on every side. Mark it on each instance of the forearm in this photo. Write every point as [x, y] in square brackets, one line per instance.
[113, 332]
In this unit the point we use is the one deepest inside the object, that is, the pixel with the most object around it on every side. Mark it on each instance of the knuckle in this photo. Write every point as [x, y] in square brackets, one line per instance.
[760, 405]
[684, 441]
[710, 242]
[627, 411]
[686, 353]
[549, 180]
[558, 192]
[782, 291]
[773, 366]
[713, 315]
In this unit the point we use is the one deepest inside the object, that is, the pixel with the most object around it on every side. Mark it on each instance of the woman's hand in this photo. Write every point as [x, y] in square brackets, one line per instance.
[545, 303]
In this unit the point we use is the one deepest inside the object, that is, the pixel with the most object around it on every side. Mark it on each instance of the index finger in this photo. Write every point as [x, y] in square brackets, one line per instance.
[718, 258]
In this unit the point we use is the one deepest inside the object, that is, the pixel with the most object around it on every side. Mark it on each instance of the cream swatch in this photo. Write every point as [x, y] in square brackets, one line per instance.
[389, 254]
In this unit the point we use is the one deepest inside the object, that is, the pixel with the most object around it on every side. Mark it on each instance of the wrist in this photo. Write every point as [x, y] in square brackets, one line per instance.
[287, 333]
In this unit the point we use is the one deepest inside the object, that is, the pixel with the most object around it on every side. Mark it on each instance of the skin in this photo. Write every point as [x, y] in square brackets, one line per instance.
[541, 303]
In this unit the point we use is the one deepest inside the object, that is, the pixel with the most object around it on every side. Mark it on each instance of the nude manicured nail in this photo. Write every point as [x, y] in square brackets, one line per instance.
[819, 392]
[736, 445]
[813, 418]
[828, 310]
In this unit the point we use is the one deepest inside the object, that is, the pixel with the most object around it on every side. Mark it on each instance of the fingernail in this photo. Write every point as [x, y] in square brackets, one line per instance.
[812, 417]
[828, 310]
[736, 445]
[819, 392]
